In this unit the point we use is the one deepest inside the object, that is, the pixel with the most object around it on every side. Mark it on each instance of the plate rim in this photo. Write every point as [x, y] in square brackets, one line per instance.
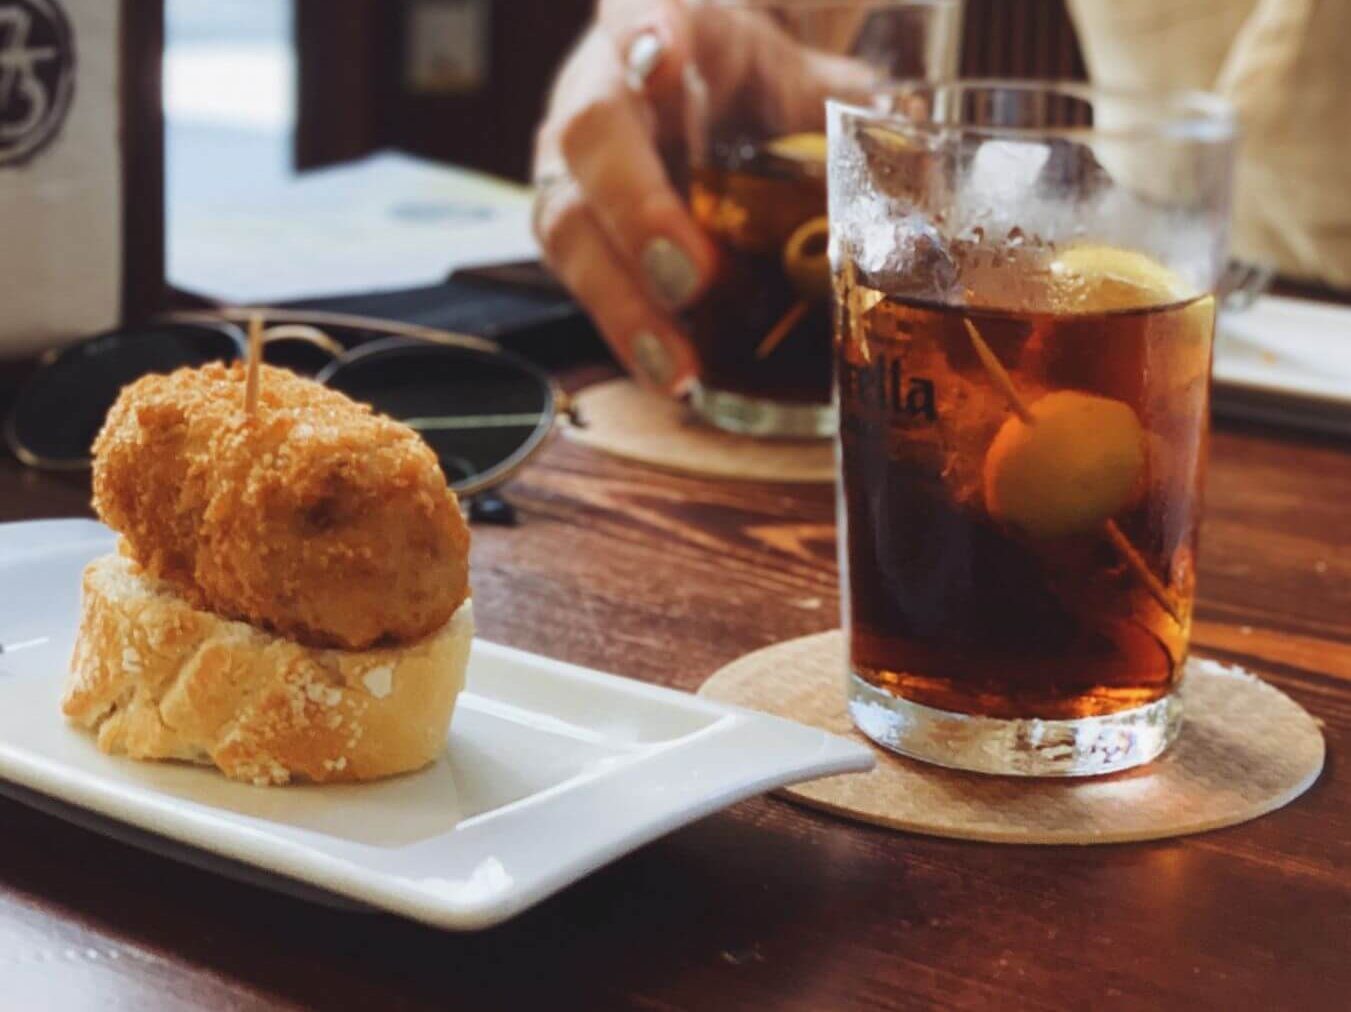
[1242, 375]
[751, 753]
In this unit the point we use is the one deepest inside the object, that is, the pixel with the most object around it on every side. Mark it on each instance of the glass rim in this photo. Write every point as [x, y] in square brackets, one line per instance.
[1186, 114]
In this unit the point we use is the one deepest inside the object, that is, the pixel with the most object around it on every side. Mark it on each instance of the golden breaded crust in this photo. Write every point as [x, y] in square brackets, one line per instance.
[315, 519]
[159, 679]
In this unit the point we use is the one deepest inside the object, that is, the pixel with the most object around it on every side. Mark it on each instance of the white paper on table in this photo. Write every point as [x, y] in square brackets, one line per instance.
[387, 221]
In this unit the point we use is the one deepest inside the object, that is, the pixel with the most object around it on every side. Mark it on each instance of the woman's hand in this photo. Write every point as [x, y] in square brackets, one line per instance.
[610, 222]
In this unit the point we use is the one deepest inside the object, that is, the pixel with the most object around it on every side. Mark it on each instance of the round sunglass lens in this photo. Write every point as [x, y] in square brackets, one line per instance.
[481, 410]
[61, 408]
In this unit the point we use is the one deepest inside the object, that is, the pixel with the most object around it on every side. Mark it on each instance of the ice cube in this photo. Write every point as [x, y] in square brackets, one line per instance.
[1002, 177]
[906, 256]
[1071, 170]
[898, 166]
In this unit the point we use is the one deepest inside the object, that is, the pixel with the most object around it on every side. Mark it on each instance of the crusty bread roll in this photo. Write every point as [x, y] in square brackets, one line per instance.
[159, 679]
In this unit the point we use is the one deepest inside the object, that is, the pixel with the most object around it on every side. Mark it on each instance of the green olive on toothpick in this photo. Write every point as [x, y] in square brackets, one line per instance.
[806, 259]
[1074, 464]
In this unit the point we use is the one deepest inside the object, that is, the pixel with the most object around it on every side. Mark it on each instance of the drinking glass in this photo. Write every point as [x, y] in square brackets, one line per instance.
[1024, 279]
[755, 120]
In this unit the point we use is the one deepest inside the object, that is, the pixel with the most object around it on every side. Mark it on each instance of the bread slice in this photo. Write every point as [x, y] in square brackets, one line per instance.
[159, 679]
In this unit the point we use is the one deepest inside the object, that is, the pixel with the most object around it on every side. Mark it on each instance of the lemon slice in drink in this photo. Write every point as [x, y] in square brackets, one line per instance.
[1104, 278]
[888, 141]
[805, 147]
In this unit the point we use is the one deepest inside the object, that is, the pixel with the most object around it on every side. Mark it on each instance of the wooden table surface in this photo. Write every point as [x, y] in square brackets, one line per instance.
[766, 905]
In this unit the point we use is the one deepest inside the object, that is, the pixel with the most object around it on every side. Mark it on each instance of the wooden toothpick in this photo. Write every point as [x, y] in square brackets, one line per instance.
[780, 330]
[254, 362]
[1000, 377]
[1152, 583]
[998, 374]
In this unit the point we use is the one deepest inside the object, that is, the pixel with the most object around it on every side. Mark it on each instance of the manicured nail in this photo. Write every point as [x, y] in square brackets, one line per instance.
[645, 52]
[653, 360]
[671, 273]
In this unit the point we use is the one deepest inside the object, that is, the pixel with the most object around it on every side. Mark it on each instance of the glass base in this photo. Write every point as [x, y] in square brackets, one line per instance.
[755, 416]
[1084, 747]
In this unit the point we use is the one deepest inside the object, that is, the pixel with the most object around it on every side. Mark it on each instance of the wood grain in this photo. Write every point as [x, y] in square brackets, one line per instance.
[766, 906]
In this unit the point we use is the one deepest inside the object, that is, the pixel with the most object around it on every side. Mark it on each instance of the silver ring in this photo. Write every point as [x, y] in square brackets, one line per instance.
[644, 55]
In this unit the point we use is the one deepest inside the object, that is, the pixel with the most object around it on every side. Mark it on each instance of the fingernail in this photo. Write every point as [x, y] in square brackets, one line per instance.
[653, 360]
[645, 52]
[671, 273]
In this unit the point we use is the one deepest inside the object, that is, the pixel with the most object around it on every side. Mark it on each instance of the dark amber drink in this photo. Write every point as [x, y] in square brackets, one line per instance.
[762, 332]
[751, 130]
[1024, 318]
[971, 594]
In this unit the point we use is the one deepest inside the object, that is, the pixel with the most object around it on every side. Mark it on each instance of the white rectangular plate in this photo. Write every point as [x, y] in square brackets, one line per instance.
[1286, 361]
[550, 770]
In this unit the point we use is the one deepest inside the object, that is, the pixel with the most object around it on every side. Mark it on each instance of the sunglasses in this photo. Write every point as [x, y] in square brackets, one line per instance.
[484, 410]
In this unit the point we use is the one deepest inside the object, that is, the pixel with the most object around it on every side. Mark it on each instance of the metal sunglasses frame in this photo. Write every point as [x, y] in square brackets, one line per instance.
[308, 326]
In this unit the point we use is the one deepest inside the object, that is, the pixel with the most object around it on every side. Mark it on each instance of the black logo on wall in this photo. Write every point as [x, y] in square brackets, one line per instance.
[37, 76]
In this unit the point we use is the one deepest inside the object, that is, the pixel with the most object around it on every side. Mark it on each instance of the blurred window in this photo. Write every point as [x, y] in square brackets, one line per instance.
[230, 109]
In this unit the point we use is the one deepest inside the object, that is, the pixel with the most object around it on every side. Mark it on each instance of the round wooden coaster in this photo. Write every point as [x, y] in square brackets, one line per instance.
[1246, 749]
[623, 419]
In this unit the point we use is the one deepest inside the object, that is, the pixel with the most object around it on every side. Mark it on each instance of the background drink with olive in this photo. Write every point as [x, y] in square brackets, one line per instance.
[1024, 277]
[756, 150]
[763, 329]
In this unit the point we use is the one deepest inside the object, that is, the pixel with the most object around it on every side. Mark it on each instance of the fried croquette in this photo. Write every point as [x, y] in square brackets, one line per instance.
[313, 518]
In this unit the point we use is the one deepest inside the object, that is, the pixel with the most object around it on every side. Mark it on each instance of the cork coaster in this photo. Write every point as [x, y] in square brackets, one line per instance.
[627, 421]
[1246, 749]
